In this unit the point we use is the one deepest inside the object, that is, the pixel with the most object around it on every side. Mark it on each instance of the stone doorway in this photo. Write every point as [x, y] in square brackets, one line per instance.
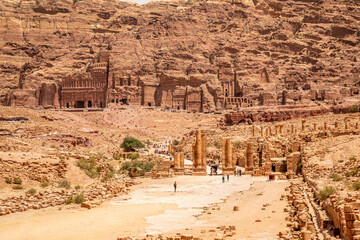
[89, 104]
[79, 104]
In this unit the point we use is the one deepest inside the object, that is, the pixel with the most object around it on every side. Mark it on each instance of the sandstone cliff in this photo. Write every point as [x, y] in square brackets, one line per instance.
[267, 46]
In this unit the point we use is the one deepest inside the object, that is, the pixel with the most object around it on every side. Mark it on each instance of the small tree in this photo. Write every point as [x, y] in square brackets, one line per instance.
[130, 143]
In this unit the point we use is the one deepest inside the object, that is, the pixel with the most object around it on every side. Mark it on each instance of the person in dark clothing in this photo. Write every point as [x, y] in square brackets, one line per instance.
[235, 172]
[228, 177]
[223, 178]
[175, 185]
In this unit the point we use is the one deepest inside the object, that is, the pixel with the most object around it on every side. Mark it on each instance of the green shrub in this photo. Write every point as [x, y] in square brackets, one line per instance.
[131, 143]
[117, 156]
[69, 200]
[64, 184]
[134, 156]
[176, 142]
[237, 144]
[335, 177]
[326, 192]
[108, 175]
[8, 180]
[356, 185]
[44, 184]
[217, 144]
[352, 173]
[79, 198]
[352, 158]
[125, 166]
[354, 109]
[17, 187]
[77, 187]
[88, 166]
[144, 166]
[17, 181]
[31, 191]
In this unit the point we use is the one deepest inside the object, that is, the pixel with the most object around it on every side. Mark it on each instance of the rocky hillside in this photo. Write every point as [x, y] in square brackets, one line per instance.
[266, 44]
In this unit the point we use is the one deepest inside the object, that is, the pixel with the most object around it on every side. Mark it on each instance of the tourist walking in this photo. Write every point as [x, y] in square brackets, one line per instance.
[223, 178]
[235, 172]
[175, 186]
[227, 176]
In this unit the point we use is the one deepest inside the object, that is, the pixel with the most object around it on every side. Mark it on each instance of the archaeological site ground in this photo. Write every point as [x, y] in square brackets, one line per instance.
[179, 120]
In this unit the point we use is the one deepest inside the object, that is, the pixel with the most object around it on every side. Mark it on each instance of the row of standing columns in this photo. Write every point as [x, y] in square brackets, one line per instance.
[229, 158]
[279, 129]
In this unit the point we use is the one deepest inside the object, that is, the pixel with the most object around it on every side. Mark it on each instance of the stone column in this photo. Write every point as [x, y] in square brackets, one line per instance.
[194, 156]
[270, 131]
[176, 160]
[223, 143]
[303, 126]
[253, 130]
[336, 125]
[228, 154]
[199, 154]
[198, 150]
[292, 129]
[203, 150]
[249, 157]
[315, 127]
[276, 130]
[325, 126]
[182, 164]
[262, 131]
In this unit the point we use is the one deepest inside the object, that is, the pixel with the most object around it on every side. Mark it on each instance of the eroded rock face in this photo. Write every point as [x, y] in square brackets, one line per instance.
[187, 54]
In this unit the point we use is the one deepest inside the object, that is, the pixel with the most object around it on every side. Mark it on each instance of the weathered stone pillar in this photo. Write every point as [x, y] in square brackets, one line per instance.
[325, 126]
[176, 160]
[228, 165]
[315, 127]
[228, 157]
[249, 157]
[292, 129]
[336, 125]
[223, 143]
[253, 131]
[178, 164]
[199, 149]
[270, 131]
[182, 161]
[170, 149]
[203, 150]
[276, 130]
[262, 131]
[303, 125]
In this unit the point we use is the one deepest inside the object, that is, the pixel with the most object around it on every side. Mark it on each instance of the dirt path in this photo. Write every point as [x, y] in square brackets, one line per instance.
[105, 222]
[262, 202]
[154, 207]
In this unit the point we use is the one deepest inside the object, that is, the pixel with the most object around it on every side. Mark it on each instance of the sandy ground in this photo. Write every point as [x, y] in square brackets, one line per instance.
[153, 207]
